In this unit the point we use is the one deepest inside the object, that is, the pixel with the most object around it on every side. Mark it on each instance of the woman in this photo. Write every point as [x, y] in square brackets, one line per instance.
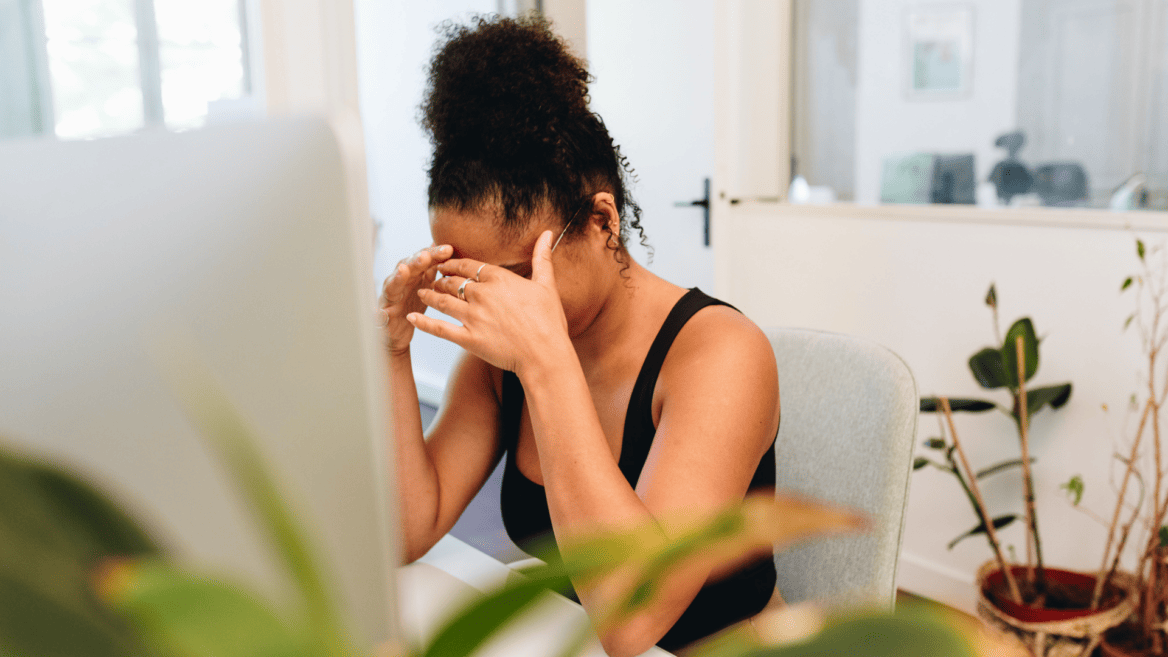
[616, 397]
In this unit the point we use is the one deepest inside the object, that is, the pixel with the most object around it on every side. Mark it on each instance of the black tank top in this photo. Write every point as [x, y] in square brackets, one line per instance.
[523, 502]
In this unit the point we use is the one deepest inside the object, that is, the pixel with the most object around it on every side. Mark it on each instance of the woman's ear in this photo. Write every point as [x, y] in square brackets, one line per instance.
[605, 216]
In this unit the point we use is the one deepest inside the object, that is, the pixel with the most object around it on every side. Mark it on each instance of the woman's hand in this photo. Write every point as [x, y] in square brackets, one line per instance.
[507, 320]
[399, 294]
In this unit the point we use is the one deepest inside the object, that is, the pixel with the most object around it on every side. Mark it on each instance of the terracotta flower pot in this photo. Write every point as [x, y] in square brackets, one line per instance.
[1066, 578]
[1054, 631]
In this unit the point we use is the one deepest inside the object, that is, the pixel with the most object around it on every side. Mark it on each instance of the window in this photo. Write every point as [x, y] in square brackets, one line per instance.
[993, 102]
[89, 68]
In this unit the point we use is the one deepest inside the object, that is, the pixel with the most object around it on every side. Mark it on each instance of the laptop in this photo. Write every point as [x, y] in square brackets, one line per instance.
[239, 238]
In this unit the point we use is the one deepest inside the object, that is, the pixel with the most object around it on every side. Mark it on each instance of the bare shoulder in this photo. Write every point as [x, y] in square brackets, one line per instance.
[721, 352]
[719, 337]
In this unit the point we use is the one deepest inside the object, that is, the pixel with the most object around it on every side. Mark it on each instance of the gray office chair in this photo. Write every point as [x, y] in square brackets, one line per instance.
[849, 419]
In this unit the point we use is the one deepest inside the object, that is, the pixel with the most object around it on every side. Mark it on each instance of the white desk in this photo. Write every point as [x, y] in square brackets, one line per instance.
[452, 573]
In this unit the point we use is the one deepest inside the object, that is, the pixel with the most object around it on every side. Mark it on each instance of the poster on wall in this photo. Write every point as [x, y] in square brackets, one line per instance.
[939, 49]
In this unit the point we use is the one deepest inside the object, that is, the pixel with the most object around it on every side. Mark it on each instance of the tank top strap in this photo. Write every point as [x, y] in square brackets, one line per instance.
[639, 427]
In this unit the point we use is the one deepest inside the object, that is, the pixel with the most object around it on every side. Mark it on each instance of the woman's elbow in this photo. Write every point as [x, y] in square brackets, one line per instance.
[630, 639]
[412, 550]
[623, 647]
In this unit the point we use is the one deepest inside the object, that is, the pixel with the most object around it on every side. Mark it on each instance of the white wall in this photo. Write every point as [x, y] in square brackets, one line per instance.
[653, 61]
[887, 122]
[914, 280]
[394, 42]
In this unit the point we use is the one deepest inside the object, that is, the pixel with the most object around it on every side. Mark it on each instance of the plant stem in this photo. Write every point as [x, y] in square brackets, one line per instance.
[1153, 555]
[985, 516]
[1118, 553]
[1023, 428]
[1105, 573]
[968, 493]
[1151, 551]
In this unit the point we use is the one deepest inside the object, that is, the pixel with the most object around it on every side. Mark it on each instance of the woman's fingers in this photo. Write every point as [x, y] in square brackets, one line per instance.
[445, 303]
[438, 328]
[394, 285]
[451, 284]
[413, 271]
[465, 268]
[541, 260]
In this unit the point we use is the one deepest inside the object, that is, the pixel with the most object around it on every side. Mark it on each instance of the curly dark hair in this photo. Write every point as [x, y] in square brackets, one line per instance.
[506, 110]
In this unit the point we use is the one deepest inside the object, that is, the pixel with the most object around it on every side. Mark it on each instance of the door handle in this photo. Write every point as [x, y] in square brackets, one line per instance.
[704, 204]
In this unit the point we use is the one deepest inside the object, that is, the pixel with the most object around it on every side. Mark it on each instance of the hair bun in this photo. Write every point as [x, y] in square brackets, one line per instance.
[500, 88]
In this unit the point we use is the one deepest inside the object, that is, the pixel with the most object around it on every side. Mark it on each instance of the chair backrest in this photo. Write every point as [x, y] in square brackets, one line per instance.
[849, 416]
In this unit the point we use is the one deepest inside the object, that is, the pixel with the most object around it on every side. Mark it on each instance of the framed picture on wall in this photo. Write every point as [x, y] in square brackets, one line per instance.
[939, 51]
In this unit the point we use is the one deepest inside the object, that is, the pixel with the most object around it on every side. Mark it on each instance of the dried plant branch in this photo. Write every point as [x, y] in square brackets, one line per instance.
[1104, 573]
[1147, 562]
[1124, 534]
[1149, 512]
[985, 516]
[1027, 476]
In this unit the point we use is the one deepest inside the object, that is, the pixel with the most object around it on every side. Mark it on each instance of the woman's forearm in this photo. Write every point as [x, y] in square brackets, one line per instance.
[587, 493]
[417, 480]
[585, 488]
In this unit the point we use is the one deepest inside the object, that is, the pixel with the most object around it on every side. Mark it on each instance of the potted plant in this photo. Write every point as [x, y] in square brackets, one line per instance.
[1144, 526]
[1046, 607]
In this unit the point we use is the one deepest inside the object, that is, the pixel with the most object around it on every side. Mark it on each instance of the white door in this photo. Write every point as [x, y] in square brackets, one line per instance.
[653, 63]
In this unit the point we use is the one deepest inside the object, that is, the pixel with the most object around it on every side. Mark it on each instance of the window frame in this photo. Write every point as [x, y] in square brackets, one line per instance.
[149, 62]
[736, 153]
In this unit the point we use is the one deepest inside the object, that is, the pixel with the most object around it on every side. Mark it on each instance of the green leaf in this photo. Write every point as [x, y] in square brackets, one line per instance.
[1127, 322]
[54, 528]
[1164, 536]
[992, 297]
[988, 369]
[1126, 284]
[234, 444]
[472, 626]
[935, 443]
[1025, 329]
[913, 631]
[112, 531]
[185, 614]
[1140, 249]
[58, 507]
[999, 467]
[1056, 396]
[921, 462]
[1074, 488]
[933, 405]
[640, 596]
[37, 620]
[999, 522]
